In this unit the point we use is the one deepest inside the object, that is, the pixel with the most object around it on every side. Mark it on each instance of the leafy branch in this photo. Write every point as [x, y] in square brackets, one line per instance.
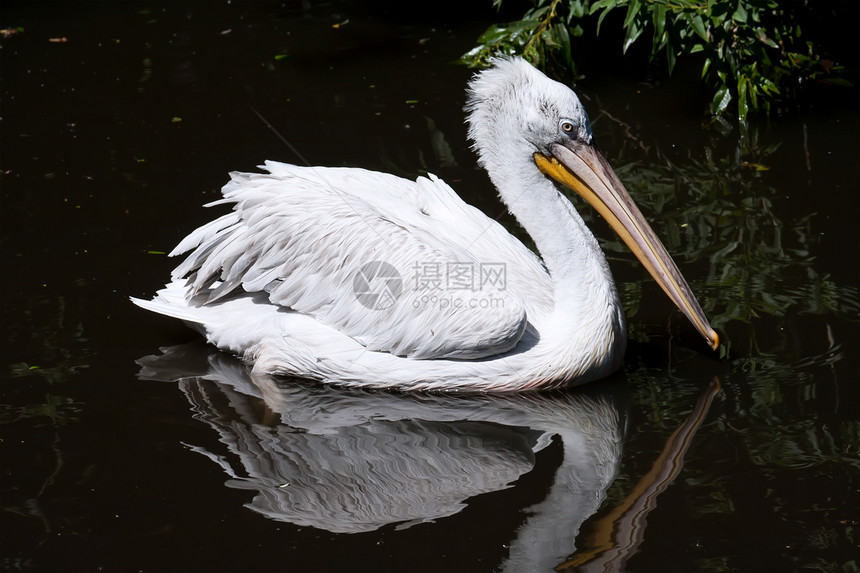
[752, 50]
[543, 33]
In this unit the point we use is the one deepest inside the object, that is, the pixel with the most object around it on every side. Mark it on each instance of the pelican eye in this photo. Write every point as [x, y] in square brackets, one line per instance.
[567, 126]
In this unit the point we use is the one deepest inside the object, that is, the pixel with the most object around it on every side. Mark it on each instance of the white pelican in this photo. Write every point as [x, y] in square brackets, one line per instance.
[360, 278]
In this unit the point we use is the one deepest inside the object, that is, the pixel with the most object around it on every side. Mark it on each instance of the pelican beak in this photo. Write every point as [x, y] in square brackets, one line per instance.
[584, 170]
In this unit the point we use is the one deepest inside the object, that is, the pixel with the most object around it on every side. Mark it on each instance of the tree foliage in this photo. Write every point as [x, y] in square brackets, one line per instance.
[752, 50]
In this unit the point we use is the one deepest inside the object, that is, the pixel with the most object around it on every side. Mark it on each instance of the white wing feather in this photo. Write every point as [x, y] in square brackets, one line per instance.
[301, 234]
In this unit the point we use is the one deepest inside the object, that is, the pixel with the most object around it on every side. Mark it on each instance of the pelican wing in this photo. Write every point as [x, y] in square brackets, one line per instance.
[400, 266]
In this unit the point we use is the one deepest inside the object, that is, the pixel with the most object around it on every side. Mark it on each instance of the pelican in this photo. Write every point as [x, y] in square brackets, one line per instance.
[360, 278]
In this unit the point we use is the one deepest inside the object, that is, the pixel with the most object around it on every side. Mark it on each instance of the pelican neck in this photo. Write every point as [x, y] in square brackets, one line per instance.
[569, 250]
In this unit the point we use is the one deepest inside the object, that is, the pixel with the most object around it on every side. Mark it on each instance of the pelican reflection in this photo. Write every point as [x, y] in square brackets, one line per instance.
[351, 461]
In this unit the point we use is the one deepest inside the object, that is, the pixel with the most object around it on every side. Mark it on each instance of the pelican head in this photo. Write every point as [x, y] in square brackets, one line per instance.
[523, 124]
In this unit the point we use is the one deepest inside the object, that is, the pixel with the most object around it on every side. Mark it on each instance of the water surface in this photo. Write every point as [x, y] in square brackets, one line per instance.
[119, 121]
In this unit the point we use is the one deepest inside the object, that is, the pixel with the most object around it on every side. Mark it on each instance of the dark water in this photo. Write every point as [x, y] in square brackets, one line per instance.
[119, 120]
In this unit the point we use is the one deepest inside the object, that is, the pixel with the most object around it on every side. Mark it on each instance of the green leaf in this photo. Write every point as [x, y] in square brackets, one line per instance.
[633, 33]
[563, 39]
[493, 34]
[670, 57]
[632, 12]
[721, 100]
[658, 18]
[603, 4]
[740, 14]
[768, 86]
[497, 33]
[753, 95]
[837, 82]
[600, 19]
[698, 26]
[537, 13]
[742, 98]
[765, 40]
